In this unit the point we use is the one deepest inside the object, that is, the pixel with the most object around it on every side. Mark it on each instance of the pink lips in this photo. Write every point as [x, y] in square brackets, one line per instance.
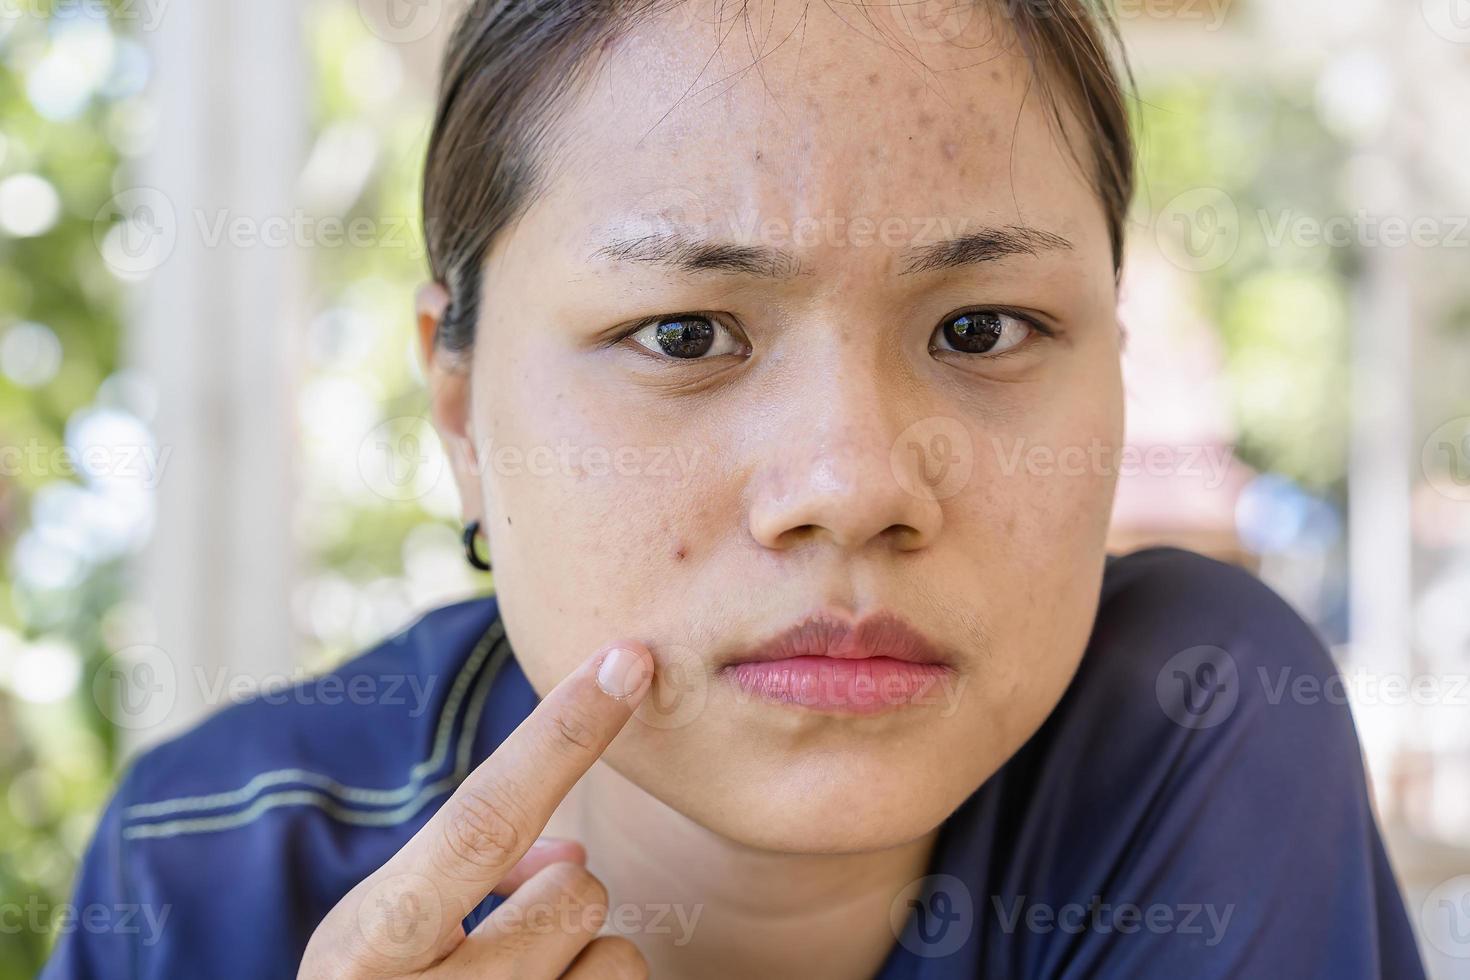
[823, 663]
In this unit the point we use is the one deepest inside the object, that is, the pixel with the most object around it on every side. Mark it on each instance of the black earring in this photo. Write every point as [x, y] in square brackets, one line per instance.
[472, 531]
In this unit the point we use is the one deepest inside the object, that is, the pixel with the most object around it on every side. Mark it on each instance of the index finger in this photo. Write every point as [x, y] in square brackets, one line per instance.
[495, 815]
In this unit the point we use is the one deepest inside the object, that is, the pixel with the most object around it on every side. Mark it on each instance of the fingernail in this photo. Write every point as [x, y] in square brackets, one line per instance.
[622, 673]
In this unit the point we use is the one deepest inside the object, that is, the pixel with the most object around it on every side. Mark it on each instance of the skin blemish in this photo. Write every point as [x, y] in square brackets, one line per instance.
[873, 79]
[949, 148]
[680, 552]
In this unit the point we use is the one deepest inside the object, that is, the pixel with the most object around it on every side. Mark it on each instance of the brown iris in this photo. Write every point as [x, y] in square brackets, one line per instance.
[974, 333]
[686, 336]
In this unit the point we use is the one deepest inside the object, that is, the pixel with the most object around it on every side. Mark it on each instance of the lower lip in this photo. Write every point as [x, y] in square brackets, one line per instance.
[851, 686]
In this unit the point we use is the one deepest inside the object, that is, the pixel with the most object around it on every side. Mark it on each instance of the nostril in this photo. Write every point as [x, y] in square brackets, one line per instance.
[903, 536]
[796, 536]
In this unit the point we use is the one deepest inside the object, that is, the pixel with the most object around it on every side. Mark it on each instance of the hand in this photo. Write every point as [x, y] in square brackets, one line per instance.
[406, 917]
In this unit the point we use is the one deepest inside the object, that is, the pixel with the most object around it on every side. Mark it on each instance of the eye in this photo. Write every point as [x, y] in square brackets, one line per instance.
[687, 337]
[982, 332]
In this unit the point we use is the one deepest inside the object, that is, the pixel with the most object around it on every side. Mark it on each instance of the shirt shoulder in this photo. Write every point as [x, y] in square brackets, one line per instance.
[363, 733]
[1203, 769]
[238, 836]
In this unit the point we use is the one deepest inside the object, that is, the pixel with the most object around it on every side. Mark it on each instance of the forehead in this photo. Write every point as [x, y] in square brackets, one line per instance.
[788, 114]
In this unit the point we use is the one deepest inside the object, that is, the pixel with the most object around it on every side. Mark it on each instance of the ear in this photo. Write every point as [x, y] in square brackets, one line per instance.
[448, 376]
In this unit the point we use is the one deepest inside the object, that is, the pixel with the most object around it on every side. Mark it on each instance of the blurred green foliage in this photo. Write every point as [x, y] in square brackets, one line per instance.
[1281, 306]
[56, 758]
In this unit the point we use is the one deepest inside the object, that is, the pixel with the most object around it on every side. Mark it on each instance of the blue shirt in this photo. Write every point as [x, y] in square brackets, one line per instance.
[1189, 809]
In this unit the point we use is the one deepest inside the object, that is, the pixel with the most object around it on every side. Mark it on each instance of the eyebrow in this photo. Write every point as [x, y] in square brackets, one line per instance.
[984, 245]
[687, 254]
[684, 253]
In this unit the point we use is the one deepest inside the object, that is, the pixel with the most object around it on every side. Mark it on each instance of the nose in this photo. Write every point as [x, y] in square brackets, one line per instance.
[840, 474]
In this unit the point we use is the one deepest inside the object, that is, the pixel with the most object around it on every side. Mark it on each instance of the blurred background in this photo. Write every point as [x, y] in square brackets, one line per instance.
[212, 438]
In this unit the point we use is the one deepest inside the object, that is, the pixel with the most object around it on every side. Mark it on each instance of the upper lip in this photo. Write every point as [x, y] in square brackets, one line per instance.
[824, 634]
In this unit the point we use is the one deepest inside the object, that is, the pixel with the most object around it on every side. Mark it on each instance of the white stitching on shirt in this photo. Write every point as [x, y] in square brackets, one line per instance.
[329, 792]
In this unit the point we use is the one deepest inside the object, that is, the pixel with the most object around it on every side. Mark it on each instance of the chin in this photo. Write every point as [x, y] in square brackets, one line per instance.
[834, 791]
[831, 818]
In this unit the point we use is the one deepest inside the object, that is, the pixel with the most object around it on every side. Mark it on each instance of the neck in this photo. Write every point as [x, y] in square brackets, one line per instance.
[701, 905]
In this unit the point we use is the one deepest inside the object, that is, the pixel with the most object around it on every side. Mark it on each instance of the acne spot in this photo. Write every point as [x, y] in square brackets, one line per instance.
[873, 79]
[949, 148]
[680, 552]
[925, 119]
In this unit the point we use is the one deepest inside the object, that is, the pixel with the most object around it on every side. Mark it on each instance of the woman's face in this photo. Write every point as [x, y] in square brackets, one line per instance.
[823, 431]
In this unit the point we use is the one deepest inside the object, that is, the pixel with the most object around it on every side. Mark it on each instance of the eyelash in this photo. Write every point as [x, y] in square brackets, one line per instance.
[1030, 321]
[1033, 323]
[654, 321]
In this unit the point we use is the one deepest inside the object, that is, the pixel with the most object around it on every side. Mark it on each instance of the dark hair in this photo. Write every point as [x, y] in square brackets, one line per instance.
[511, 63]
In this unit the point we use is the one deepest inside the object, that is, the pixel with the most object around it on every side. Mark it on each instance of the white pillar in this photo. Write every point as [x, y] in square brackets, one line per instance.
[214, 326]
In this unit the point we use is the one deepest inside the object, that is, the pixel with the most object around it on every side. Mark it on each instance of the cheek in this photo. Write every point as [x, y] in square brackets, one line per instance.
[1036, 525]
[595, 521]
